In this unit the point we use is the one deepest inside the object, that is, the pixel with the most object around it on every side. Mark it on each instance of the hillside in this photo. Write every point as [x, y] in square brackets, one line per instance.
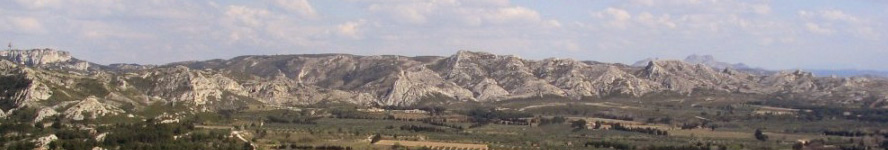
[52, 100]
[45, 78]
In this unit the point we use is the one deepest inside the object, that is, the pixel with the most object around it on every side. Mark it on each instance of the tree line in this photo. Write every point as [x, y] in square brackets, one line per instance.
[415, 128]
[645, 130]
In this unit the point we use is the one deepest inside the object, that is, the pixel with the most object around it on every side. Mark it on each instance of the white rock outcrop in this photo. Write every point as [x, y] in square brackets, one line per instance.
[36, 56]
[91, 108]
[45, 113]
[43, 142]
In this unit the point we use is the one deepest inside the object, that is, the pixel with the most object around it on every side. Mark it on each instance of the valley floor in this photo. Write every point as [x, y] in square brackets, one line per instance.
[514, 125]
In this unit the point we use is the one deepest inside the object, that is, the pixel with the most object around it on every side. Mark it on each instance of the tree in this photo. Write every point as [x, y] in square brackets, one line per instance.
[57, 123]
[247, 145]
[598, 125]
[760, 136]
[579, 124]
[375, 138]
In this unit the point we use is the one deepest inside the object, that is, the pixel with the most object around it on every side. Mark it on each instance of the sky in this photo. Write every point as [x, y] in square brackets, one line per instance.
[772, 34]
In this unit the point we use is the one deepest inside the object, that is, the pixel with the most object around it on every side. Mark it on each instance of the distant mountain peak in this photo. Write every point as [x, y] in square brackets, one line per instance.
[850, 72]
[707, 60]
[700, 58]
[710, 61]
[644, 62]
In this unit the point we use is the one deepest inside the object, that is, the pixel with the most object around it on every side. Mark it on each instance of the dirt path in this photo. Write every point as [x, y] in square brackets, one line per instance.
[433, 145]
[603, 104]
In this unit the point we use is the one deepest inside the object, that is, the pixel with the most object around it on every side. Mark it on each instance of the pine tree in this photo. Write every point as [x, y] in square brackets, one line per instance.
[760, 136]
[579, 124]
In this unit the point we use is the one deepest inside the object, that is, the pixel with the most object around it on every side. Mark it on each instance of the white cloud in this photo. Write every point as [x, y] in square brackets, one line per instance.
[815, 28]
[248, 16]
[512, 15]
[458, 12]
[33, 4]
[26, 25]
[867, 33]
[96, 30]
[298, 6]
[415, 13]
[553, 24]
[615, 13]
[757, 7]
[689, 17]
[621, 18]
[761, 9]
[828, 15]
[247, 25]
[651, 20]
[351, 29]
[568, 45]
[839, 21]
[837, 15]
[618, 17]
[485, 3]
[78, 7]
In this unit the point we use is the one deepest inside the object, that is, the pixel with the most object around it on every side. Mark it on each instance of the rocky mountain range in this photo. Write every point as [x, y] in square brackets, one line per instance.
[54, 82]
[710, 61]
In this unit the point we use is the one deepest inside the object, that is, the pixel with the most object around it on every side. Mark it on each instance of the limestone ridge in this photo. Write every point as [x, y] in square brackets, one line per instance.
[52, 79]
[46, 58]
[36, 57]
[710, 61]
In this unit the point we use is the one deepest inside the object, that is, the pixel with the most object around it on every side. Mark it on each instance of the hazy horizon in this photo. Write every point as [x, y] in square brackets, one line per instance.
[792, 34]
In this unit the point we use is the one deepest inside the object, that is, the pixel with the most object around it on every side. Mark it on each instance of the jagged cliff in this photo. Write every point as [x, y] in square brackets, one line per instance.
[53, 79]
[46, 58]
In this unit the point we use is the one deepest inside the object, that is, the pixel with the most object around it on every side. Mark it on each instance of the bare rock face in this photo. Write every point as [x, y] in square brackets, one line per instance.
[22, 88]
[43, 142]
[206, 87]
[45, 58]
[710, 61]
[614, 81]
[489, 90]
[276, 91]
[512, 74]
[567, 75]
[130, 67]
[36, 57]
[45, 113]
[91, 108]
[182, 84]
[34, 93]
[794, 81]
[54, 79]
[684, 78]
[7, 65]
[414, 86]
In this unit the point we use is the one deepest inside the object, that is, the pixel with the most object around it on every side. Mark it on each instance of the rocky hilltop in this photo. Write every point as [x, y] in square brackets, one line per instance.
[44, 78]
[710, 61]
[45, 58]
